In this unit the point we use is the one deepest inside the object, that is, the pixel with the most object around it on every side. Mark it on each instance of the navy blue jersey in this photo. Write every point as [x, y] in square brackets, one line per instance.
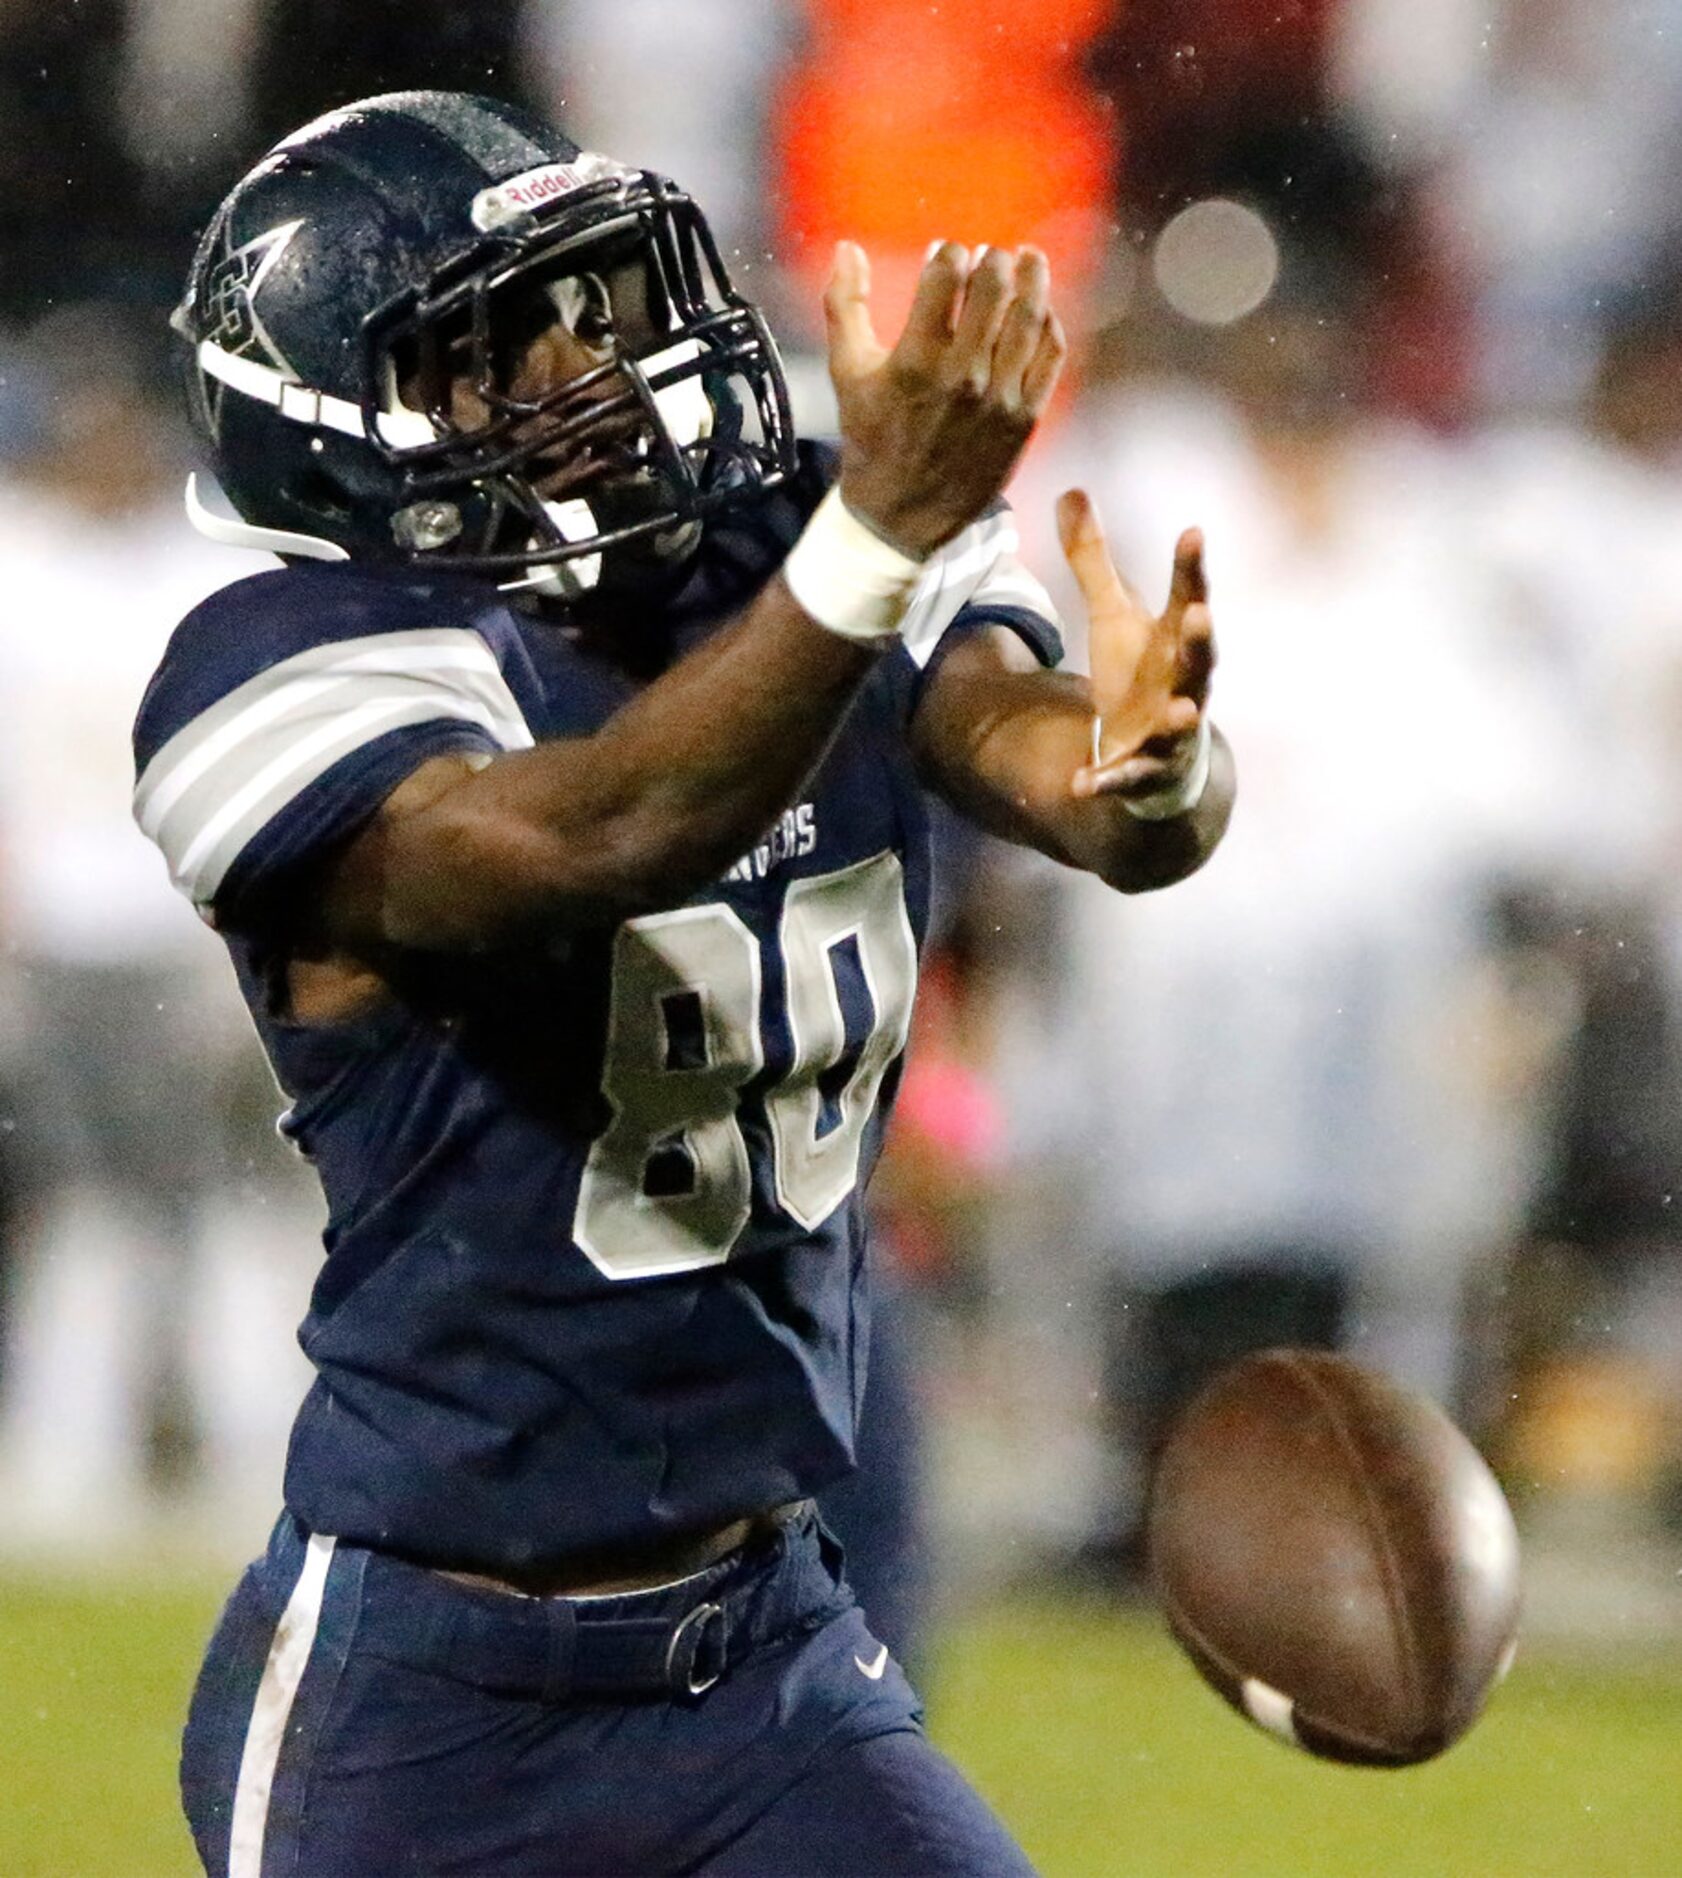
[594, 1240]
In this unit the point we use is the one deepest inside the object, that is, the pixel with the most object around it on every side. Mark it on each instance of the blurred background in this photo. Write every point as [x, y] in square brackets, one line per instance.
[1385, 294]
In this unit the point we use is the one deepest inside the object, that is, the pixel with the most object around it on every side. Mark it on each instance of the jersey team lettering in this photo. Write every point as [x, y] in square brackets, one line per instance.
[794, 836]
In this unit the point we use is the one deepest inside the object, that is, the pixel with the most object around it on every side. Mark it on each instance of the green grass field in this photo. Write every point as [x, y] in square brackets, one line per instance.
[1085, 1729]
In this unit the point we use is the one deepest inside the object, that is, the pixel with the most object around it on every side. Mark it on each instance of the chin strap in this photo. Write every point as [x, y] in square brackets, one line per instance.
[231, 532]
[574, 521]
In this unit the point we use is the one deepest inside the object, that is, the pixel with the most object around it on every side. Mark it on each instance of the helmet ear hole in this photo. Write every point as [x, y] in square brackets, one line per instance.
[315, 490]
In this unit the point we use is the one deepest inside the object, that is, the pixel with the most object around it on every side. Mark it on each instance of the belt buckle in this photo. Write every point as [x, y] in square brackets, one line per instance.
[685, 1647]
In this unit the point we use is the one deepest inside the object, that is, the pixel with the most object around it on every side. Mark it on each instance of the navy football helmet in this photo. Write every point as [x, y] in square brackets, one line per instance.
[398, 251]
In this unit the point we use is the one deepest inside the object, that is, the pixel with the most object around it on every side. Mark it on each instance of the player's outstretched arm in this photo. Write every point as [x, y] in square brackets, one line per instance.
[688, 775]
[1121, 773]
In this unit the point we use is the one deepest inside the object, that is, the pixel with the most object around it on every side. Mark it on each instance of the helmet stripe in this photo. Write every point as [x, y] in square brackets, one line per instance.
[488, 138]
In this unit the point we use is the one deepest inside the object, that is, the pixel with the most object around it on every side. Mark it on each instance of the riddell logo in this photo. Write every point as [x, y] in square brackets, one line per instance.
[542, 186]
[526, 193]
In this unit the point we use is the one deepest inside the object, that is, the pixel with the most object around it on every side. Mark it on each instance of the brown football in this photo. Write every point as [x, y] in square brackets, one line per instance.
[1335, 1557]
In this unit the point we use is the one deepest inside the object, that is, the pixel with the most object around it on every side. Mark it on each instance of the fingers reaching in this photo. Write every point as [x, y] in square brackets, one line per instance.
[1188, 613]
[985, 320]
[934, 308]
[987, 297]
[1190, 583]
[1121, 628]
[1197, 653]
[1143, 771]
[1081, 536]
[1022, 329]
[1040, 379]
[1150, 677]
[854, 348]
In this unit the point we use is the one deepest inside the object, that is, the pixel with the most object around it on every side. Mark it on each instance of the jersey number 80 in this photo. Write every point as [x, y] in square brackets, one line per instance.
[668, 1187]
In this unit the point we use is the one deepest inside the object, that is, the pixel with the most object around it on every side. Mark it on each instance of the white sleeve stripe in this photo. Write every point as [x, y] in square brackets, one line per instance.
[207, 879]
[294, 687]
[165, 783]
[1013, 585]
[979, 547]
[979, 567]
[950, 578]
[206, 858]
[223, 777]
[354, 728]
[472, 655]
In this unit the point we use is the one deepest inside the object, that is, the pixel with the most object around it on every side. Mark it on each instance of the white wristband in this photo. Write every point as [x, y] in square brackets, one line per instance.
[1180, 797]
[847, 577]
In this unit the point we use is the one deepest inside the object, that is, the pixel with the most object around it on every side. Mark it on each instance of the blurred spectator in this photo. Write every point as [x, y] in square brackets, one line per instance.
[122, 1031]
[185, 106]
[186, 92]
[312, 55]
[685, 90]
[70, 224]
[1274, 1086]
[906, 122]
[1578, 522]
[1551, 128]
[1188, 77]
[1576, 519]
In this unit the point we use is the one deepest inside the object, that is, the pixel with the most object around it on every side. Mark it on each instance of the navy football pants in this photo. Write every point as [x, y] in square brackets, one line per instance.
[358, 1716]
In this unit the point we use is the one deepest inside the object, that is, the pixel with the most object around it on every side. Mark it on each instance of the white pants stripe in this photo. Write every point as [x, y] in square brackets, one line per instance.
[294, 1638]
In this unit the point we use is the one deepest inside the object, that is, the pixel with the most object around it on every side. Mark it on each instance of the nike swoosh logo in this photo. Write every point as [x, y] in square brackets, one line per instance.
[874, 1670]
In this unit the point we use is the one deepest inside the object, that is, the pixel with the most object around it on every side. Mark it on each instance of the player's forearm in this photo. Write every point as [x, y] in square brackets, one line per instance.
[1133, 855]
[1003, 746]
[661, 800]
[692, 771]
[1031, 803]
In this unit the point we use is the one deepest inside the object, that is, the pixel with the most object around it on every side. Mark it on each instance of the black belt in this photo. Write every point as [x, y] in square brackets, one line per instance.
[675, 1641]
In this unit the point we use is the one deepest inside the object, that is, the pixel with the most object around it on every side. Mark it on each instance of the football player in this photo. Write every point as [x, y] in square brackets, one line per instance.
[560, 802]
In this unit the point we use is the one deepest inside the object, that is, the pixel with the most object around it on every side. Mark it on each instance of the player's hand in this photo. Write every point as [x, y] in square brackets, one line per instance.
[1150, 676]
[931, 431]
